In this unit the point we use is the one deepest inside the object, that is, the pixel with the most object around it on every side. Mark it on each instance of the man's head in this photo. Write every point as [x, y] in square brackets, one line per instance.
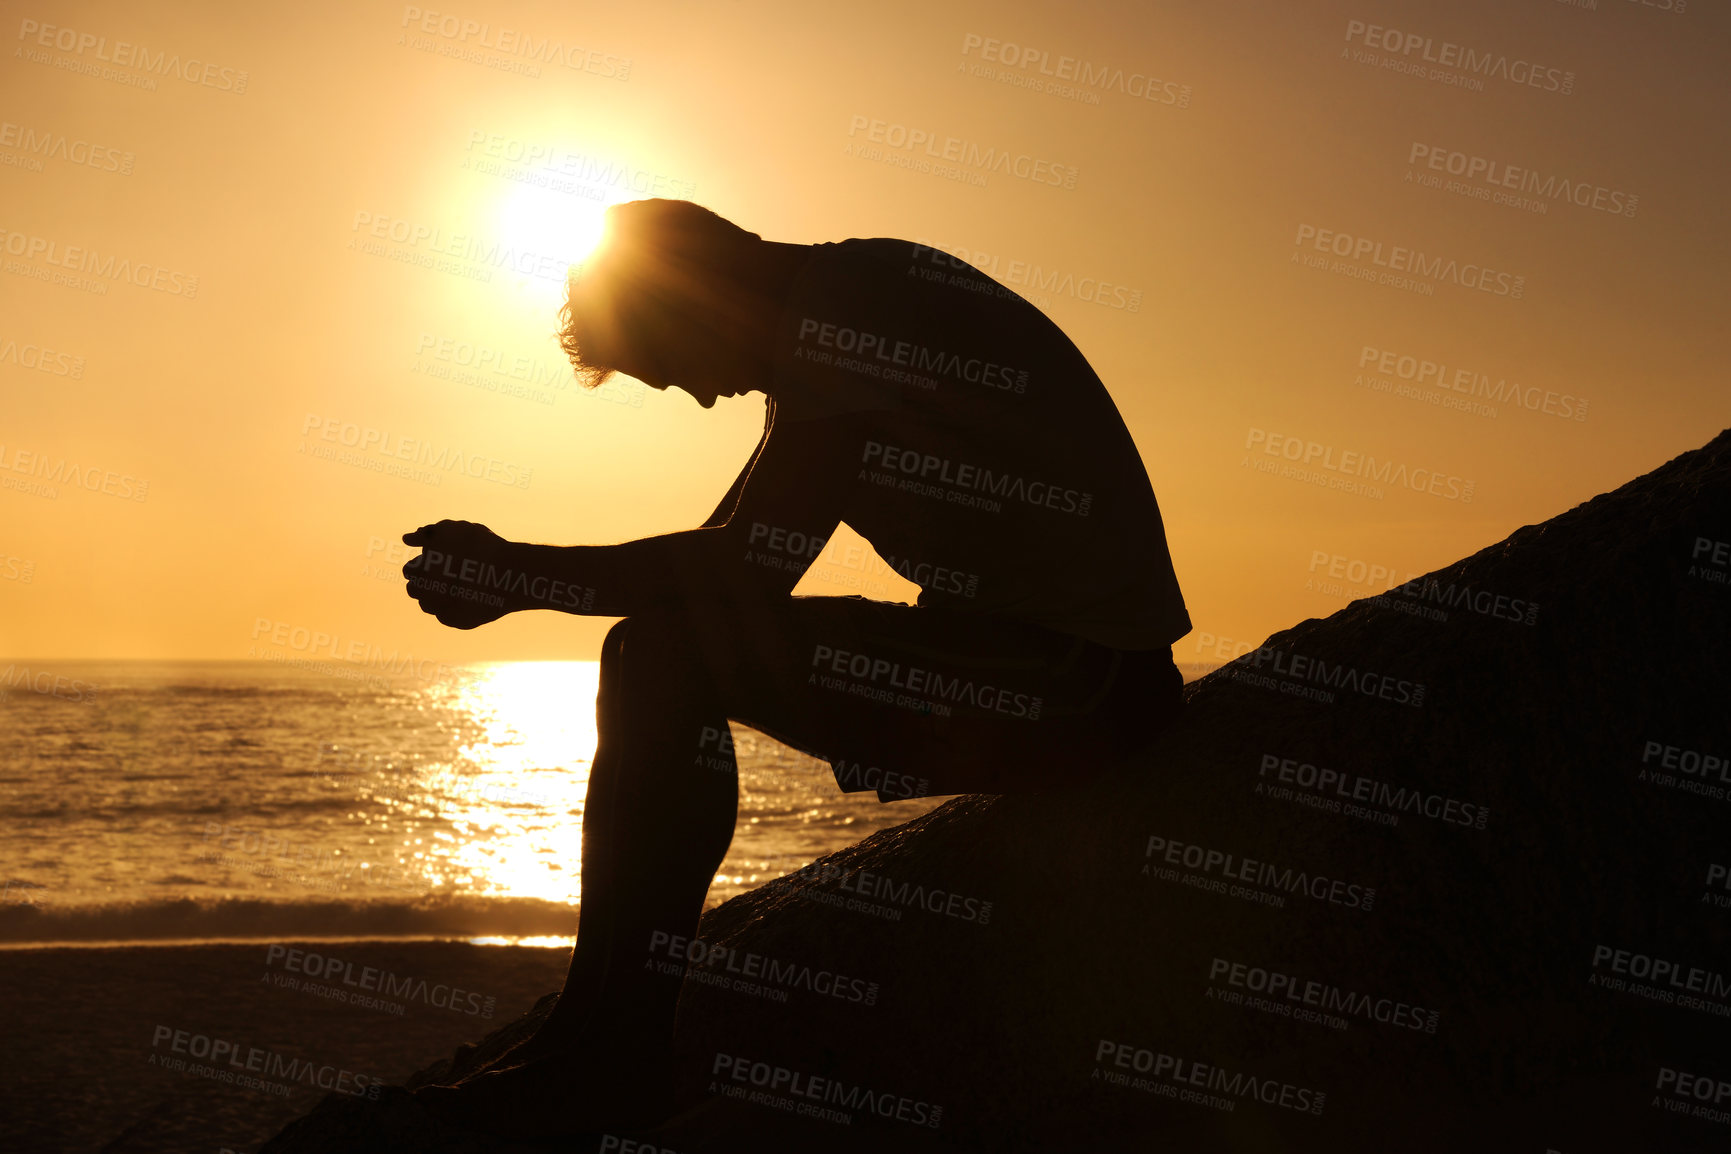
[664, 298]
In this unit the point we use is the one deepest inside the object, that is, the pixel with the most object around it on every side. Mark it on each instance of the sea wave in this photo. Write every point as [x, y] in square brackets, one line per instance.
[443, 915]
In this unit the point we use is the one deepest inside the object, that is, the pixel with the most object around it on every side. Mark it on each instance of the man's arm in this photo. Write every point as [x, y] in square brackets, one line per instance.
[785, 505]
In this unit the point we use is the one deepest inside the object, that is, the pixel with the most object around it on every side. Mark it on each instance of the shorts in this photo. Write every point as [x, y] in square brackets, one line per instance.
[913, 701]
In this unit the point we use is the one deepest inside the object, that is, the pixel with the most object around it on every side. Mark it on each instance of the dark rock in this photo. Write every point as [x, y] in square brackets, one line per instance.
[1469, 1003]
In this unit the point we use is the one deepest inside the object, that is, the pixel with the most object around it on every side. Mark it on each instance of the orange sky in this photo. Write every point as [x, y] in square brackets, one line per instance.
[365, 143]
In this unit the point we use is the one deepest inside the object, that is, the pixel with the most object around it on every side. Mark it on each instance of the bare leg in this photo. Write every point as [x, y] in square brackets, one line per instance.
[656, 826]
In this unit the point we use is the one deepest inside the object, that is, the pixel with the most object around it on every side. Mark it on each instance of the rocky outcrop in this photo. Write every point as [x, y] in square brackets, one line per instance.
[1446, 870]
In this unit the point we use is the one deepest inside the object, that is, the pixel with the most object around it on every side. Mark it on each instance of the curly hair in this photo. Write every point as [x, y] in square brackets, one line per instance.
[657, 281]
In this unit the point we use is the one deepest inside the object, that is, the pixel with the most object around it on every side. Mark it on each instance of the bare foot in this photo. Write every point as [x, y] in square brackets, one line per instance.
[558, 1094]
[541, 1045]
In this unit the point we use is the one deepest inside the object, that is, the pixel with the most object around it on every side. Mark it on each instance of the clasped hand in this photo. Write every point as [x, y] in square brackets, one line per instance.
[461, 576]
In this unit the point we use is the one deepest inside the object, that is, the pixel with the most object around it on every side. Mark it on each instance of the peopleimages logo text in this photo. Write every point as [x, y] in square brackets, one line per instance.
[1352, 463]
[1083, 73]
[913, 679]
[50, 145]
[964, 478]
[231, 1058]
[1425, 371]
[967, 152]
[90, 261]
[365, 439]
[1302, 668]
[461, 31]
[1448, 54]
[1234, 868]
[910, 355]
[1499, 174]
[125, 55]
[1398, 258]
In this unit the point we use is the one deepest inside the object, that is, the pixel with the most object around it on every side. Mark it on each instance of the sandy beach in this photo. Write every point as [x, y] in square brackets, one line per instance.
[214, 1048]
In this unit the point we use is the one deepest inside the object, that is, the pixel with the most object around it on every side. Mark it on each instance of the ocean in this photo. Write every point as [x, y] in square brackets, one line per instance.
[196, 802]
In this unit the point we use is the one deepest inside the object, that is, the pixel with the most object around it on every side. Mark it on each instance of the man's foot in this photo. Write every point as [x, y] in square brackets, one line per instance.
[558, 1095]
[542, 1045]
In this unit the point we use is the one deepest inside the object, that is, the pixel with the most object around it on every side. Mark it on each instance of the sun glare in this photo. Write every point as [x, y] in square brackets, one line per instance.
[550, 230]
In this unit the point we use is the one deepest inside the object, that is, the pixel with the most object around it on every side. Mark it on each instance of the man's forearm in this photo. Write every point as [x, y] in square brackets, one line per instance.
[609, 580]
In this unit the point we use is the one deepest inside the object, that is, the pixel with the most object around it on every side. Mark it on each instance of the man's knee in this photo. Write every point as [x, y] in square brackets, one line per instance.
[652, 662]
[655, 639]
[614, 643]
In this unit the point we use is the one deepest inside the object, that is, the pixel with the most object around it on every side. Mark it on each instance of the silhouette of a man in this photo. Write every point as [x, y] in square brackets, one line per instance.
[951, 424]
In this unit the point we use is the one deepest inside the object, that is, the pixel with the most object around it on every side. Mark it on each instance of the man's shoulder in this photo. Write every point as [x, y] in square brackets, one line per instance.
[864, 252]
[870, 246]
[943, 284]
[897, 252]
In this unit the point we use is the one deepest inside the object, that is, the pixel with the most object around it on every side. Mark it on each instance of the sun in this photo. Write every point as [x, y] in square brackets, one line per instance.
[549, 230]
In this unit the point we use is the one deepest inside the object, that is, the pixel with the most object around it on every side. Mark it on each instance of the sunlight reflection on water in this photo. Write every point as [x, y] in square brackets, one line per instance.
[514, 817]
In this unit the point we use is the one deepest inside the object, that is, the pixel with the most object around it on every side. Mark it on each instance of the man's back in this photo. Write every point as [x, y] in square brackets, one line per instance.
[973, 445]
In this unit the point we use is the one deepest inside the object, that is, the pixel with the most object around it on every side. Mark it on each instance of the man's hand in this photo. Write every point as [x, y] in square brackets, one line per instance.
[450, 578]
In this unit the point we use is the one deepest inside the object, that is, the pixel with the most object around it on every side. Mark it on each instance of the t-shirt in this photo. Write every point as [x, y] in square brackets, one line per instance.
[967, 438]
